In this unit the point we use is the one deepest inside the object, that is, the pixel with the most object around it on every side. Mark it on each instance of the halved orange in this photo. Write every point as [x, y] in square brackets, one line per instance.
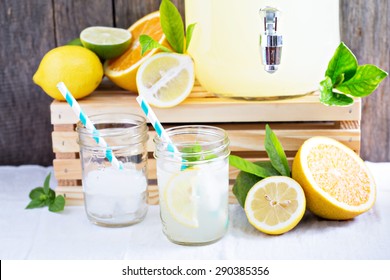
[336, 182]
[123, 70]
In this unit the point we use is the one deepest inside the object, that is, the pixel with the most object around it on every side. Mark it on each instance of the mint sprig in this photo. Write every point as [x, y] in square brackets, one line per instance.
[277, 165]
[173, 29]
[348, 78]
[251, 172]
[45, 196]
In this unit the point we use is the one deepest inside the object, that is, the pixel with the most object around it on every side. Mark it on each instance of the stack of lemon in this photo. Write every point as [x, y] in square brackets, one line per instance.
[165, 79]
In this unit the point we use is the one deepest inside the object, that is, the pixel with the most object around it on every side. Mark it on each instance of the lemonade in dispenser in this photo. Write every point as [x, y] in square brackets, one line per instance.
[262, 49]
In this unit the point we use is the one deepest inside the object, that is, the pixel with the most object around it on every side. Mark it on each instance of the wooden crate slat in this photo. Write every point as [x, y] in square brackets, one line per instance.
[199, 109]
[248, 138]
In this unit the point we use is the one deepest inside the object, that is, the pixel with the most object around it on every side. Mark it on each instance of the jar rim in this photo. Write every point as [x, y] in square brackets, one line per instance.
[137, 120]
[218, 146]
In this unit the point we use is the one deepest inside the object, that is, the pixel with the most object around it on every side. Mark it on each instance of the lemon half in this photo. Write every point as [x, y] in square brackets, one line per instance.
[337, 183]
[275, 205]
[166, 79]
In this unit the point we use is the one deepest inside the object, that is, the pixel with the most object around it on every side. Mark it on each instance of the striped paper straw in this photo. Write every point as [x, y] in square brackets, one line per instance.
[156, 123]
[88, 125]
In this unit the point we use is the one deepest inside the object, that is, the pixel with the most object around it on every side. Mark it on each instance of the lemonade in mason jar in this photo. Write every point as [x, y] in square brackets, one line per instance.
[193, 183]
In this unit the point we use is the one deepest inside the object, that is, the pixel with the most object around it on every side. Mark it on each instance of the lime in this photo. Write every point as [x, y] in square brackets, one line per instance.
[166, 79]
[275, 205]
[79, 68]
[106, 42]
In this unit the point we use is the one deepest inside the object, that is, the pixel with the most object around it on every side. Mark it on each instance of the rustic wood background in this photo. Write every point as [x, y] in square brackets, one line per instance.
[28, 29]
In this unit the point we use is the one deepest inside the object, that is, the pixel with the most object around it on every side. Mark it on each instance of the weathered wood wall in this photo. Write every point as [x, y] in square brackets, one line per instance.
[28, 29]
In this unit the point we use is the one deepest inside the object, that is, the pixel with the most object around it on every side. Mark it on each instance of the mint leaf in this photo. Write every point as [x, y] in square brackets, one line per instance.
[46, 187]
[366, 79]
[342, 65]
[36, 193]
[172, 25]
[58, 204]
[148, 43]
[275, 152]
[35, 203]
[189, 32]
[250, 167]
[331, 98]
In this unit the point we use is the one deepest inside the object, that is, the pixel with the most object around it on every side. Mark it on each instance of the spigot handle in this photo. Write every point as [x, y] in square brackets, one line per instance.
[270, 16]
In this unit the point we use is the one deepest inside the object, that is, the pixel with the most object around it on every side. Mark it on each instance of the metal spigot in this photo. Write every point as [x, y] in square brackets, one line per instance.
[270, 41]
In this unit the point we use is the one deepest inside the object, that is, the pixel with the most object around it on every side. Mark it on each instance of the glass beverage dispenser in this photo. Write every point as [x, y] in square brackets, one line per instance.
[262, 49]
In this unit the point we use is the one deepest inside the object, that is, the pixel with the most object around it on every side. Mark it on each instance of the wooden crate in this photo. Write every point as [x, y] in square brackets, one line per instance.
[293, 121]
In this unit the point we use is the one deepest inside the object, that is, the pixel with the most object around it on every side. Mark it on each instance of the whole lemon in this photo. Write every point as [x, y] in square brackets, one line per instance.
[79, 68]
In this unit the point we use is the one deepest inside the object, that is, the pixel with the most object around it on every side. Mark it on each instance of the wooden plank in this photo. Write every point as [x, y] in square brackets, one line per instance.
[71, 17]
[198, 110]
[246, 137]
[128, 12]
[365, 28]
[27, 33]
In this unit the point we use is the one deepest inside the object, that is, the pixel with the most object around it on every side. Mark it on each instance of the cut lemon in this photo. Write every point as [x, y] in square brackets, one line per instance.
[336, 182]
[106, 42]
[180, 197]
[123, 69]
[275, 204]
[166, 79]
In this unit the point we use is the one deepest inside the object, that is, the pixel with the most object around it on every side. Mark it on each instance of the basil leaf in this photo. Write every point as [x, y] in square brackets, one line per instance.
[35, 203]
[331, 98]
[275, 152]
[343, 63]
[58, 204]
[36, 193]
[249, 167]
[189, 32]
[172, 25]
[364, 82]
[148, 43]
[46, 184]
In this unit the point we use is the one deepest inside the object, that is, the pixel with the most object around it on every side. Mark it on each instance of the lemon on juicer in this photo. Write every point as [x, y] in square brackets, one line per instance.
[79, 68]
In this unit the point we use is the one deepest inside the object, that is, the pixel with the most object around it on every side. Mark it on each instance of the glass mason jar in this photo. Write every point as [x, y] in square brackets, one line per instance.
[193, 184]
[115, 197]
[228, 54]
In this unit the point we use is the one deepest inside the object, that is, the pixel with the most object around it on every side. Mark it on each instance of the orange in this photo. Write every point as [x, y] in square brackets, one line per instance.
[123, 70]
[336, 182]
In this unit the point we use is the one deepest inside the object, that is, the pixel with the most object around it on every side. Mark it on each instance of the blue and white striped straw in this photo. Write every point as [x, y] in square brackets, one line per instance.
[88, 125]
[156, 123]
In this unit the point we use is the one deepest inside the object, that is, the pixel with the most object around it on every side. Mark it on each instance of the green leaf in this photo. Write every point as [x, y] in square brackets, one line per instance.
[58, 204]
[331, 98]
[366, 79]
[46, 184]
[35, 203]
[343, 63]
[189, 32]
[36, 193]
[148, 43]
[250, 167]
[275, 152]
[172, 25]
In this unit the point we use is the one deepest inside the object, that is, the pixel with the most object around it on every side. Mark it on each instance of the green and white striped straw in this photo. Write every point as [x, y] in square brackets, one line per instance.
[88, 125]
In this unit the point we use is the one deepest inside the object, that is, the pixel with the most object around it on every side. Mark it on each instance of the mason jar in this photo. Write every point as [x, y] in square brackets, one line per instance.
[115, 197]
[193, 183]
